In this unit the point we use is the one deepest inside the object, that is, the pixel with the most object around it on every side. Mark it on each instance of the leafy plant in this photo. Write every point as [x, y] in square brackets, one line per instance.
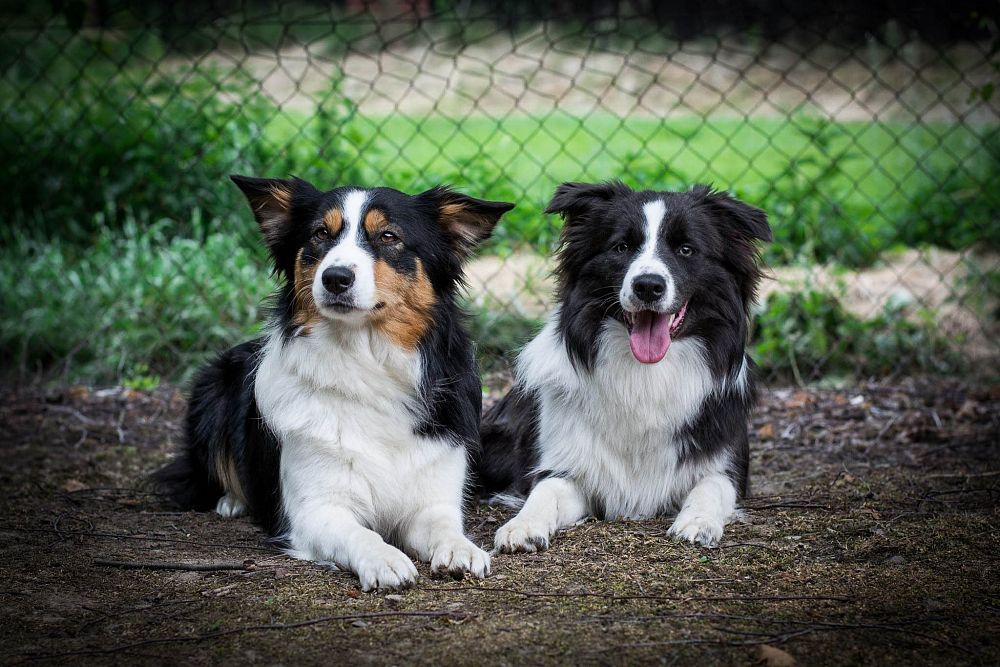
[159, 144]
[807, 333]
[141, 302]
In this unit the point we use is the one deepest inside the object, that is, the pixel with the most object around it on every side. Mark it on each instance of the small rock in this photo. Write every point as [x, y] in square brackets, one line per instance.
[896, 560]
[394, 599]
[359, 624]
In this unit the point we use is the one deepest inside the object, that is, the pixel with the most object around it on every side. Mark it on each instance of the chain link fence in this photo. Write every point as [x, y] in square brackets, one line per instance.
[873, 142]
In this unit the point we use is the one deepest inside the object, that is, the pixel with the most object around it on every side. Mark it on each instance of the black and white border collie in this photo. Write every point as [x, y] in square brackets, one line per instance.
[634, 399]
[345, 430]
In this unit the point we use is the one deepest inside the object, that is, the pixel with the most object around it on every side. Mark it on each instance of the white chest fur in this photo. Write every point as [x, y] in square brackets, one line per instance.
[616, 429]
[344, 407]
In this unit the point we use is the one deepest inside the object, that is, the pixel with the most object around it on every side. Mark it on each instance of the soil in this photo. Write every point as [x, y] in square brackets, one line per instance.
[871, 536]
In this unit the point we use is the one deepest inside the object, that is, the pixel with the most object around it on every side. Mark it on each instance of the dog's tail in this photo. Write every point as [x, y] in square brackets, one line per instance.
[187, 483]
[507, 452]
[514, 501]
[210, 462]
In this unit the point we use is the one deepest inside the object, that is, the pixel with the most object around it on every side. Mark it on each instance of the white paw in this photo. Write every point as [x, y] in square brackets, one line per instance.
[387, 568]
[697, 527]
[458, 556]
[229, 507]
[522, 535]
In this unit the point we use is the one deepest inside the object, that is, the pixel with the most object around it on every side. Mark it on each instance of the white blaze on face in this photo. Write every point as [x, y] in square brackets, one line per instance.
[349, 254]
[647, 261]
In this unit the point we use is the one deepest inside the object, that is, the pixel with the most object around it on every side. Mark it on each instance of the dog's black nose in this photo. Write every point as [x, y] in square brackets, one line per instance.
[338, 279]
[649, 286]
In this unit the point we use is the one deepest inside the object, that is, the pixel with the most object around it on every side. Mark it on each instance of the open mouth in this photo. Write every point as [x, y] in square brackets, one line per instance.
[650, 332]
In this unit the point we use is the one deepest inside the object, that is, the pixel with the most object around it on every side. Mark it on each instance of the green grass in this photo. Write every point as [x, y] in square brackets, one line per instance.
[141, 302]
[868, 177]
[125, 253]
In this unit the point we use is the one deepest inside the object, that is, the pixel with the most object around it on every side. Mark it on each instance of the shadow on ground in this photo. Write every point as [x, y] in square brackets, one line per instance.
[872, 537]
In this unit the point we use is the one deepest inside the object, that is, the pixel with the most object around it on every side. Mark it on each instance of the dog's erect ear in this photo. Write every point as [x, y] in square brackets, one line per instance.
[749, 220]
[467, 221]
[272, 200]
[573, 200]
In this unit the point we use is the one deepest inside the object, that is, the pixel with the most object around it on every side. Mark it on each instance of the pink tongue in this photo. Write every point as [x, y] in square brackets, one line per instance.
[650, 336]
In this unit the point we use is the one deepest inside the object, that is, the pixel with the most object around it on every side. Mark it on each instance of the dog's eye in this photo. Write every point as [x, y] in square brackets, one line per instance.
[322, 234]
[388, 238]
[621, 246]
[685, 250]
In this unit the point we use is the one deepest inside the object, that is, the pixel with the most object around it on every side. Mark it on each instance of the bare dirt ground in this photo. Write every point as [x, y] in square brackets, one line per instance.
[872, 537]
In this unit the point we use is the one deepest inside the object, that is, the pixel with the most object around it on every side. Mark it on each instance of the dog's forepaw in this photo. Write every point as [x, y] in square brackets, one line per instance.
[520, 535]
[697, 528]
[386, 568]
[458, 556]
[229, 507]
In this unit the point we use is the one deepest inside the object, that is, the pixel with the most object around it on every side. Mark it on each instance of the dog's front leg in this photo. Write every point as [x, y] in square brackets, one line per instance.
[434, 535]
[706, 510]
[332, 533]
[554, 503]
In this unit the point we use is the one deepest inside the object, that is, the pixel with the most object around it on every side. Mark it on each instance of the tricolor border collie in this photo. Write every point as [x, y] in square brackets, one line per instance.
[345, 430]
[633, 401]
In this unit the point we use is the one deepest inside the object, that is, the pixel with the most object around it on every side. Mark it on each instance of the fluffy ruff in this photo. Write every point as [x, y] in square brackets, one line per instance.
[634, 399]
[345, 431]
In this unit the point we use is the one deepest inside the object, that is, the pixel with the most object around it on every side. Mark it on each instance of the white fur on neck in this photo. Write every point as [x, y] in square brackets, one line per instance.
[355, 478]
[617, 430]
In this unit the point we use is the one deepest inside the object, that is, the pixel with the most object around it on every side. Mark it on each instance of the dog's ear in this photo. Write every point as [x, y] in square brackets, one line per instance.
[271, 200]
[467, 221]
[276, 204]
[574, 200]
[749, 221]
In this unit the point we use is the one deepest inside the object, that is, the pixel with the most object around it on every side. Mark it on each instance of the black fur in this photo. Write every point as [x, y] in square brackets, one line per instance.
[224, 426]
[508, 435]
[601, 236]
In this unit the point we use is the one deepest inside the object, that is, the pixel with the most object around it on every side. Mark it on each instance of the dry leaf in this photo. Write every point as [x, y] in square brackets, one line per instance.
[79, 392]
[766, 432]
[800, 399]
[774, 657]
[74, 485]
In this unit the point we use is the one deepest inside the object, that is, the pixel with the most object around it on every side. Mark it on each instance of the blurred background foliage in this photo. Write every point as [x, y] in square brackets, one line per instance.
[125, 254]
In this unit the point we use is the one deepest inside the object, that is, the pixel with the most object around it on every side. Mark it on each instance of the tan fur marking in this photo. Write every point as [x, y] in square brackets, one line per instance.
[375, 220]
[305, 308]
[464, 224]
[273, 212]
[225, 470]
[282, 197]
[409, 303]
[334, 220]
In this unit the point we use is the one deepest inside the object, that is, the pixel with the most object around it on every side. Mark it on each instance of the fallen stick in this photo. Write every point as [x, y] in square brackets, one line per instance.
[185, 567]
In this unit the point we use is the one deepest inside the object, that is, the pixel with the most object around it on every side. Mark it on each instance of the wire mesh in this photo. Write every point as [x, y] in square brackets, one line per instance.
[872, 142]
